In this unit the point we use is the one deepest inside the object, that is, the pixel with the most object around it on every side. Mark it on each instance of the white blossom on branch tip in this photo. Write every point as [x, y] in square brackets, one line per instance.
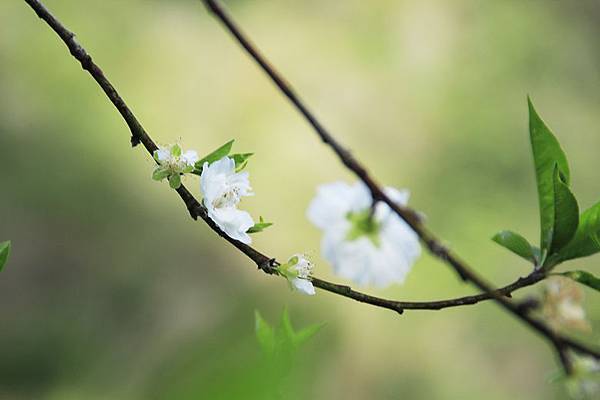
[172, 163]
[297, 271]
[365, 245]
[223, 189]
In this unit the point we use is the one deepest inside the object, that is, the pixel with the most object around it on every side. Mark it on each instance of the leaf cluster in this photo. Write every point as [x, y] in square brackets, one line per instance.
[240, 159]
[565, 234]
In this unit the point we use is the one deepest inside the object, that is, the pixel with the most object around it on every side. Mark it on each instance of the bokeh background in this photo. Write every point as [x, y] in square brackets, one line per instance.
[112, 291]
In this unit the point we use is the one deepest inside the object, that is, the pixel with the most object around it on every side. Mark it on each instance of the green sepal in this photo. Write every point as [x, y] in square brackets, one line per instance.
[287, 271]
[175, 181]
[160, 173]
[293, 261]
[363, 224]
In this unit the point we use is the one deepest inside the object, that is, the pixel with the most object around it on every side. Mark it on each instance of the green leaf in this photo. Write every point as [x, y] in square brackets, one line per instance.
[175, 181]
[566, 213]
[585, 242]
[517, 244]
[583, 277]
[264, 333]
[160, 173]
[259, 227]
[282, 341]
[291, 337]
[546, 153]
[214, 156]
[4, 253]
[286, 328]
[241, 160]
[307, 333]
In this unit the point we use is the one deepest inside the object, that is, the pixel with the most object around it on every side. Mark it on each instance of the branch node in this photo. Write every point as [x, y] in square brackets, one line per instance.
[135, 140]
[269, 266]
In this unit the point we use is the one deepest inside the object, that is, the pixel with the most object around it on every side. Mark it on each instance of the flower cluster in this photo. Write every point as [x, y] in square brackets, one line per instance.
[563, 304]
[221, 182]
[367, 244]
[172, 163]
[223, 189]
[297, 271]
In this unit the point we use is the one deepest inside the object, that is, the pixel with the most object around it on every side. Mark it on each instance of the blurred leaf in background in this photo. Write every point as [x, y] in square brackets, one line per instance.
[4, 253]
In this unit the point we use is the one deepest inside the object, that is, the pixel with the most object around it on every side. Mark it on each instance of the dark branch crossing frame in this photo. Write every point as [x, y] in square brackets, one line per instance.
[562, 344]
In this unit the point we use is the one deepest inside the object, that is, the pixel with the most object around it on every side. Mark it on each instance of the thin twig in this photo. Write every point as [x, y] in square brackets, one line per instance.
[400, 306]
[407, 214]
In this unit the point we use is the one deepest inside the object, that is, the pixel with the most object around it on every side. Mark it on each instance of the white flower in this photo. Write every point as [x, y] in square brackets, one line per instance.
[190, 158]
[223, 189]
[370, 248]
[563, 304]
[171, 158]
[172, 163]
[297, 271]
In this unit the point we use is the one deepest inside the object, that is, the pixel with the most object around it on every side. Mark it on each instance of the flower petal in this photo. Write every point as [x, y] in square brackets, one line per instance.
[224, 166]
[190, 157]
[163, 154]
[303, 286]
[233, 222]
[331, 204]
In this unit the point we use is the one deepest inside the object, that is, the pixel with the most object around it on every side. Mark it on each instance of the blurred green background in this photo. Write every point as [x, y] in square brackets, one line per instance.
[112, 291]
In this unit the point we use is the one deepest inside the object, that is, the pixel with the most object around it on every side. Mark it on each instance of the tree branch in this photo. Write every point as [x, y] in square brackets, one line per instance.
[265, 263]
[400, 306]
[196, 209]
[411, 217]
